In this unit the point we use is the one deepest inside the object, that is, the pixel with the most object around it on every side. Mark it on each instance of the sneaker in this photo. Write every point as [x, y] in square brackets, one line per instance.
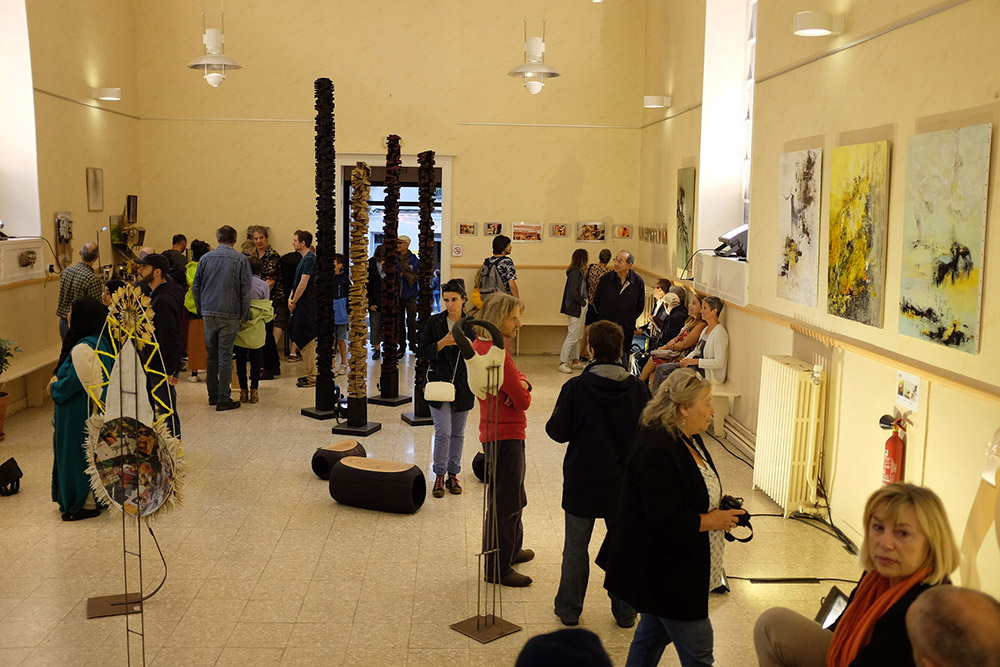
[625, 622]
[564, 368]
[306, 382]
[292, 358]
[228, 404]
[578, 365]
[452, 484]
[514, 579]
[193, 377]
[522, 556]
[438, 491]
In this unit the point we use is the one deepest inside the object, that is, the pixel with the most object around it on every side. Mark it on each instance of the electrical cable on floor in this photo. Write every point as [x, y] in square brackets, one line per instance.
[162, 558]
[731, 452]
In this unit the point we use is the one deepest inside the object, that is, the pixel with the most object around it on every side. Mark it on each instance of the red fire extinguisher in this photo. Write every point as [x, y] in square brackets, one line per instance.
[892, 463]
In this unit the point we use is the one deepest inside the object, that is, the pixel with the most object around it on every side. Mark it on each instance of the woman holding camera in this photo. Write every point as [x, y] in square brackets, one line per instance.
[663, 553]
[437, 344]
[908, 547]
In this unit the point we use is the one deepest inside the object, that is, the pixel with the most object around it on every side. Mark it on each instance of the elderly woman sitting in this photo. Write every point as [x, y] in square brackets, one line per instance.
[908, 547]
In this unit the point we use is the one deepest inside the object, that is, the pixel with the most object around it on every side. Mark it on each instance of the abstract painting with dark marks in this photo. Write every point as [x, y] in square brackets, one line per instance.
[798, 225]
[944, 230]
[685, 215]
[859, 202]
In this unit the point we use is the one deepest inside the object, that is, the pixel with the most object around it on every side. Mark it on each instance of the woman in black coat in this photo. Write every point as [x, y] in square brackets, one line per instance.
[664, 551]
[447, 365]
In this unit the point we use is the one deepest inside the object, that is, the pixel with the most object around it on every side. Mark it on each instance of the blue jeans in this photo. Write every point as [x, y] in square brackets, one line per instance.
[692, 639]
[576, 572]
[63, 328]
[449, 437]
[220, 336]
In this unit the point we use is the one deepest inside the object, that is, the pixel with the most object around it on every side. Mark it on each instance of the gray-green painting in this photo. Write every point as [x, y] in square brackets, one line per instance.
[685, 215]
[944, 229]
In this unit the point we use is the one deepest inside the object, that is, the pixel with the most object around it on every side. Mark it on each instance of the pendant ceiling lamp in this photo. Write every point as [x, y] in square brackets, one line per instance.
[534, 71]
[214, 63]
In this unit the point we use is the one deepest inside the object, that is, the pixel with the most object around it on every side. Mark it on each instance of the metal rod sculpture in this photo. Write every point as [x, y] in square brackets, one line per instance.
[327, 393]
[389, 378]
[357, 379]
[421, 415]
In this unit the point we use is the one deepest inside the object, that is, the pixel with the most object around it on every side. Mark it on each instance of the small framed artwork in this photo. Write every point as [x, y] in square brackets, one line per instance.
[558, 231]
[623, 231]
[492, 228]
[591, 232]
[95, 189]
[530, 232]
[466, 229]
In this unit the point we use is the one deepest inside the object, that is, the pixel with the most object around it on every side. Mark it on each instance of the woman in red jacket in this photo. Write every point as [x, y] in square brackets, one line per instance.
[507, 436]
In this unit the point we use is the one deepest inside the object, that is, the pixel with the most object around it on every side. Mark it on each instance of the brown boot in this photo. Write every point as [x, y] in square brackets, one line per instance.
[254, 396]
[243, 395]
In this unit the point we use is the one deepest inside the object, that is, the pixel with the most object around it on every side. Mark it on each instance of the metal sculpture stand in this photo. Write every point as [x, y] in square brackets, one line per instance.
[357, 379]
[327, 392]
[421, 415]
[488, 623]
[389, 378]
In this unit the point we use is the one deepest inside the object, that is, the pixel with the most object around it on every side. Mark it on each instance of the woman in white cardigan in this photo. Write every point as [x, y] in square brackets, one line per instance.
[710, 355]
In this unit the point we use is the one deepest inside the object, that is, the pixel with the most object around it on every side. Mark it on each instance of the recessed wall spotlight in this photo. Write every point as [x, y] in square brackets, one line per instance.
[107, 94]
[655, 101]
[818, 24]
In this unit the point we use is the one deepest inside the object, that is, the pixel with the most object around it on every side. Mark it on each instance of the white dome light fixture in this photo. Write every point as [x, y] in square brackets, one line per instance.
[655, 101]
[214, 63]
[818, 24]
[534, 71]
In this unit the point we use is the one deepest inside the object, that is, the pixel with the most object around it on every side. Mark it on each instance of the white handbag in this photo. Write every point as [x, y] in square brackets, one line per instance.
[441, 391]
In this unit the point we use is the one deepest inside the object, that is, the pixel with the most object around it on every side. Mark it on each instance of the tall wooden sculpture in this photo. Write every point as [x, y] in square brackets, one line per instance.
[357, 379]
[327, 392]
[421, 415]
[391, 348]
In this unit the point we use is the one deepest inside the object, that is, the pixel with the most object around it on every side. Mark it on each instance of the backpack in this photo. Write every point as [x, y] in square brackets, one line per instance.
[490, 277]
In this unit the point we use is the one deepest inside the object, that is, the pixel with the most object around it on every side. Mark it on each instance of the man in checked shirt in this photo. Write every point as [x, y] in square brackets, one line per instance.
[76, 281]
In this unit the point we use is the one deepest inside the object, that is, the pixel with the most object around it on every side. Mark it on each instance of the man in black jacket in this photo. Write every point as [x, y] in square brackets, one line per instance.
[620, 297]
[597, 413]
[167, 300]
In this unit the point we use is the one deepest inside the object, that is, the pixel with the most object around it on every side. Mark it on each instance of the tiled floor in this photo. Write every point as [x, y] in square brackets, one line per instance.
[266, 569]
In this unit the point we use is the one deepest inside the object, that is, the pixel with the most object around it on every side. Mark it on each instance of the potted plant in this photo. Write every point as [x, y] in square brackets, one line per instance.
[8, 349]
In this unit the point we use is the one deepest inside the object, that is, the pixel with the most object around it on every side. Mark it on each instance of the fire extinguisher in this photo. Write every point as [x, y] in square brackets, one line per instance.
[892, 463]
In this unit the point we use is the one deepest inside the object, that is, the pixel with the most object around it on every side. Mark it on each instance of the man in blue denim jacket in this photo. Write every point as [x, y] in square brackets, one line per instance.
[221, 290]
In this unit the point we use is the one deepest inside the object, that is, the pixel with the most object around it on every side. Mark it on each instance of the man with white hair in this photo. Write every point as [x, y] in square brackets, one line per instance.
[620, 297]
[950, 626]
[76, 281]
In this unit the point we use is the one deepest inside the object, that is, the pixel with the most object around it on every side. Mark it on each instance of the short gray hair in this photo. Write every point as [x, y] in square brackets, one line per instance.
[681, 388]
[89, 252]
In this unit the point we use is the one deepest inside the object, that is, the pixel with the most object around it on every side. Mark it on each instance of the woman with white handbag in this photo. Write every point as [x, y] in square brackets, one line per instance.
[447, 390]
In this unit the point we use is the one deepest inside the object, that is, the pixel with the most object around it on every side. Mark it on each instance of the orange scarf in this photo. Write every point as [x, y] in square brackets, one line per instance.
[872, 600]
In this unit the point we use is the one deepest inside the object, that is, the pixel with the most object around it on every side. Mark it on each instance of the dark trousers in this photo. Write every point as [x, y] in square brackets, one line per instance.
[408, 324]
[576, 572]
[167, 395]
[628, 328]
[510, 502]
[270, 359]
[242, 354]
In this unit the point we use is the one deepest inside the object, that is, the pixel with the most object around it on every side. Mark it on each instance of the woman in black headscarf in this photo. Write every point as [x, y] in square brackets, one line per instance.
[77, 369]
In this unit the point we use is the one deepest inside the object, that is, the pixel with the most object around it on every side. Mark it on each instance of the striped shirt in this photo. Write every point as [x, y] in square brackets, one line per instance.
[76, 281]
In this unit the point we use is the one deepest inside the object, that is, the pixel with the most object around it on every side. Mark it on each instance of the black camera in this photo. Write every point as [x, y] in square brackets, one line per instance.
[733, 503]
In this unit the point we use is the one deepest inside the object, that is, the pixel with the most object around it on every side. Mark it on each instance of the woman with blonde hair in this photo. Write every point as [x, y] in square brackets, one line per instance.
[664, 552]
[908, 547]
[507, 436]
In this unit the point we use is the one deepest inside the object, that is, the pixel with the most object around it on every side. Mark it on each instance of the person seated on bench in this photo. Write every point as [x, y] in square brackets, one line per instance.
[907, 549]
[677, 316]
[676, 347]
[709, 356]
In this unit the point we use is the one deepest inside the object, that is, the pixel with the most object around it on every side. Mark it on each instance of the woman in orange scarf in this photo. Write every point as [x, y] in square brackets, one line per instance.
[908, 547]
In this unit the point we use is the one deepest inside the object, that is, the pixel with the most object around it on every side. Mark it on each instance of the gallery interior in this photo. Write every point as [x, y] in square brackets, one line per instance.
[263, 566]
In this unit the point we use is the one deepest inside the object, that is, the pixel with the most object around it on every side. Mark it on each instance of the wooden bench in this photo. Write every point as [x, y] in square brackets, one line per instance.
[723, 396]
[25, 365]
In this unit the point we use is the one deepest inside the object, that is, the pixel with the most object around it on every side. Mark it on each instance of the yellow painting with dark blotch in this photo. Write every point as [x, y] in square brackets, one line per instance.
[858, 217]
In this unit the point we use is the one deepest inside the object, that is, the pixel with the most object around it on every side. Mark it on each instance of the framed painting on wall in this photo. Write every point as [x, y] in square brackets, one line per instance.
[685, 213]
[623, 231]
[558, 231]
[859, 201]
[530, 232]
[466, 229]
[95, 189]
[798, 225]
[591, 232]
[944, 236]
[492, 228]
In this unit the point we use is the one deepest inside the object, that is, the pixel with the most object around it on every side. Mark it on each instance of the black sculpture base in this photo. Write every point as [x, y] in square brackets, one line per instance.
[413, 419]
[389, 386]
[388, 400]
[421, 415]
[363, 431]
[357, 419]
[485, 629]
[317, 413]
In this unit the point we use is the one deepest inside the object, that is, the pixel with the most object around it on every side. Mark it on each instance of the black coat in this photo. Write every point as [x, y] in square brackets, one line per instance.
[167, 302]
[890, 643]
[675, 322]
[618, 305]
[574, 292]
[443, 362]
[598, 417]
[374, 285]
[655, 557]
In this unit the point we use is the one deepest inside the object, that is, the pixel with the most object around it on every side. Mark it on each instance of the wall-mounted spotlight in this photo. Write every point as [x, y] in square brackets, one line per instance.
[818, 24]
[107, 94]
[655, 101]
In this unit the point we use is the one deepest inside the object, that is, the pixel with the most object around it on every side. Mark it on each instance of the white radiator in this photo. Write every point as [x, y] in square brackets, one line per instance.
[789, 432]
